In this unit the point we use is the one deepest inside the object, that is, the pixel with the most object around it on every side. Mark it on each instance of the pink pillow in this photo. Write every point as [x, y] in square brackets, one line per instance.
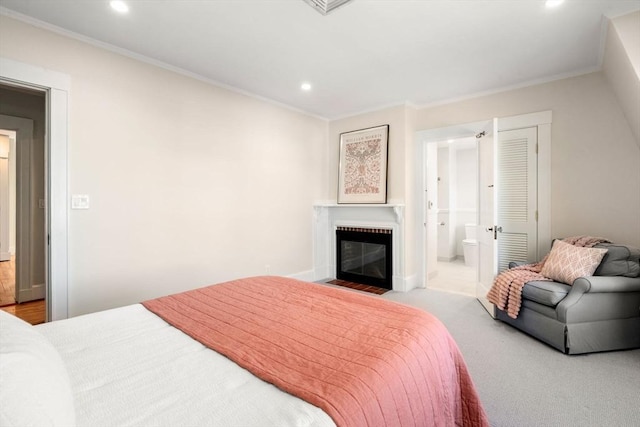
[566, 262]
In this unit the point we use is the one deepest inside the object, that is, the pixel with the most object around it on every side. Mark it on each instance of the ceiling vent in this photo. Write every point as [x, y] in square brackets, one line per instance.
[326, 6]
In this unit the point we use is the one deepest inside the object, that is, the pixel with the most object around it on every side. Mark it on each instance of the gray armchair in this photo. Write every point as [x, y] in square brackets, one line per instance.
[596, 313]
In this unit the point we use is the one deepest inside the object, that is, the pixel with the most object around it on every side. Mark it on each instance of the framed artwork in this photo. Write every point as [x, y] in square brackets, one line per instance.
[363, 166]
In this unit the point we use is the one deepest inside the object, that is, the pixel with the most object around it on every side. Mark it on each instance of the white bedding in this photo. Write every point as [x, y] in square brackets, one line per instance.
[129, 367]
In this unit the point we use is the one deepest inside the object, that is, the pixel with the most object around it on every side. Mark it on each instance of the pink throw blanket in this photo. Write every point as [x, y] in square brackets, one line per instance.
[506, 292]
[365, 361]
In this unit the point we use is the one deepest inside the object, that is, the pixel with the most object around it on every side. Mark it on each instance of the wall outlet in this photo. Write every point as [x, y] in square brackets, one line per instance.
[267, 268]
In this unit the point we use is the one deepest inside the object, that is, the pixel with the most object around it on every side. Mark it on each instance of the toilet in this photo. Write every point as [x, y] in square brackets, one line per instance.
[470, 246]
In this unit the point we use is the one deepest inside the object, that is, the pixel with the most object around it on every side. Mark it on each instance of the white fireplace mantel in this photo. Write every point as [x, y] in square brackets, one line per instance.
[329, 216]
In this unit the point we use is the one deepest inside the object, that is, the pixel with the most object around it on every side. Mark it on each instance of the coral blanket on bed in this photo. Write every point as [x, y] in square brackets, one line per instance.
[364, 360]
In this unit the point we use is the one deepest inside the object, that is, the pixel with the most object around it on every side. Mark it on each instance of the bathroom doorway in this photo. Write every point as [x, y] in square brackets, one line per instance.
[494, 234]
[456, 163]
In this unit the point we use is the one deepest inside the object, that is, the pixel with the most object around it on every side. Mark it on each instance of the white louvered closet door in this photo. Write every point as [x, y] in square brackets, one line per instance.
[517, 196]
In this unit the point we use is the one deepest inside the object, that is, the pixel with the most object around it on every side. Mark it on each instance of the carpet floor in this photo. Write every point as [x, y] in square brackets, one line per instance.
[525, 383]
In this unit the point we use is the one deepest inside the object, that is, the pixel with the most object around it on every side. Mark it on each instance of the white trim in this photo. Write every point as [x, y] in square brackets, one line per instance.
[34, 293]
[544, 189]
[58, 203]
[58, 86]
[305, 276]
[327, 217]
[421, 139]
[32, 75]
[524, 120]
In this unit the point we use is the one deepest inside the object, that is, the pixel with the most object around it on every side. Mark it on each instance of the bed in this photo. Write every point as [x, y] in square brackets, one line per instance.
[259, 351]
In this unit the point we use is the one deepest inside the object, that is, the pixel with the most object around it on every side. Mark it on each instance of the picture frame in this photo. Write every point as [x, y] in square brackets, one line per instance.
[362, 176]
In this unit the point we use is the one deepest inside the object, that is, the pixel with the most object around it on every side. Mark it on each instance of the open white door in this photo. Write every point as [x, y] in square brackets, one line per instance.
[508, 202]
[487, 215]
[431, 209]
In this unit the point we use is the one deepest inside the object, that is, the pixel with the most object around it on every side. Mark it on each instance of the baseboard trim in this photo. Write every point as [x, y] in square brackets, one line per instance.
[36, 292]
[306, 276]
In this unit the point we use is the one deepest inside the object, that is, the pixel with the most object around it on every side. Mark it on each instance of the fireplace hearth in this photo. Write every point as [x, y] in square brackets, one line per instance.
[364, 255]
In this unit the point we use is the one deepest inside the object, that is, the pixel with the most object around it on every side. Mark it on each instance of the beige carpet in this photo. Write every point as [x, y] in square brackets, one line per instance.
[525, 383]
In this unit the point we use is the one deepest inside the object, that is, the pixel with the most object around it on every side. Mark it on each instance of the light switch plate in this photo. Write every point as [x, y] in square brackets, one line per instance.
[79, 201]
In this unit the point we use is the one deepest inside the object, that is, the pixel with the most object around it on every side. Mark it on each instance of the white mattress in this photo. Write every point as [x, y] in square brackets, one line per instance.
[129, 367]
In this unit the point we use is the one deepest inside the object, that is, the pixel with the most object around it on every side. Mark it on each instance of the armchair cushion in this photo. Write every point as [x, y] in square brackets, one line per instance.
[565, 263]
[545, 292]
[619, 260]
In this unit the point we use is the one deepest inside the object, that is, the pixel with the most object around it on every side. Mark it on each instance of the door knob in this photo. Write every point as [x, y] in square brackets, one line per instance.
[496, 229]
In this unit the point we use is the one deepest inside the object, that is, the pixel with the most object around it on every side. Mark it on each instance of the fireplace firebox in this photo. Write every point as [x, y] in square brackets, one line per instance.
[364, 256]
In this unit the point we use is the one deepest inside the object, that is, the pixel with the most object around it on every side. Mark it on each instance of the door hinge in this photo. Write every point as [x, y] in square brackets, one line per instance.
[536, 148]
[536, 216]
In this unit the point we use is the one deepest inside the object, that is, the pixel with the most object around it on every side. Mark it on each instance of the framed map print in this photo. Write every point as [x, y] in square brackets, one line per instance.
[363, 166]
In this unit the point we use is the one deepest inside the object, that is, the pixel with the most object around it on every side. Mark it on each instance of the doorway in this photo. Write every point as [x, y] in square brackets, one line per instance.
[56, 85]
[455, 161]
[23, 229]
[494, 241]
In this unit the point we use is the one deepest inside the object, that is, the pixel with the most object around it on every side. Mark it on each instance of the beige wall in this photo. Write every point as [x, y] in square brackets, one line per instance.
[621, 65]
[189, 184]
[628, 29]
[395, 117]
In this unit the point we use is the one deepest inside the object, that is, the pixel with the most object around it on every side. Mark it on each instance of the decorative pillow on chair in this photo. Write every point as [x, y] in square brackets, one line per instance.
[566, 262]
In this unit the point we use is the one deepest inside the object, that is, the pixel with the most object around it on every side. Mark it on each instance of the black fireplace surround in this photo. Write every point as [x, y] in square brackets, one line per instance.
[364, 256]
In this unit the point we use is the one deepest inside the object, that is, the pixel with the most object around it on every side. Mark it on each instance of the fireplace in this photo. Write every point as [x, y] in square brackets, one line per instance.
[364, 256]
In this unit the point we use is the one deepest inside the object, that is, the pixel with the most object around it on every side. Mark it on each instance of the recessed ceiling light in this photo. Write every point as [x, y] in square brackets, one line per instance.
[119, 6]
[305, 86]
[553, 3]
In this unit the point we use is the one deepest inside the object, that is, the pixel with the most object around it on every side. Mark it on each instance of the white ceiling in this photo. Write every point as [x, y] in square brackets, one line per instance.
[362, 56]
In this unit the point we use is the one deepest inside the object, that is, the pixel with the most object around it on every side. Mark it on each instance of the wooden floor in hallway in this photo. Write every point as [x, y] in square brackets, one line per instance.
[33, 312]
[7, 281]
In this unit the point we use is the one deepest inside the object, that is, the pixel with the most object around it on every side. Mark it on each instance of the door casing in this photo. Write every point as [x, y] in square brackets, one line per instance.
[57, 85]
[542, 120]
